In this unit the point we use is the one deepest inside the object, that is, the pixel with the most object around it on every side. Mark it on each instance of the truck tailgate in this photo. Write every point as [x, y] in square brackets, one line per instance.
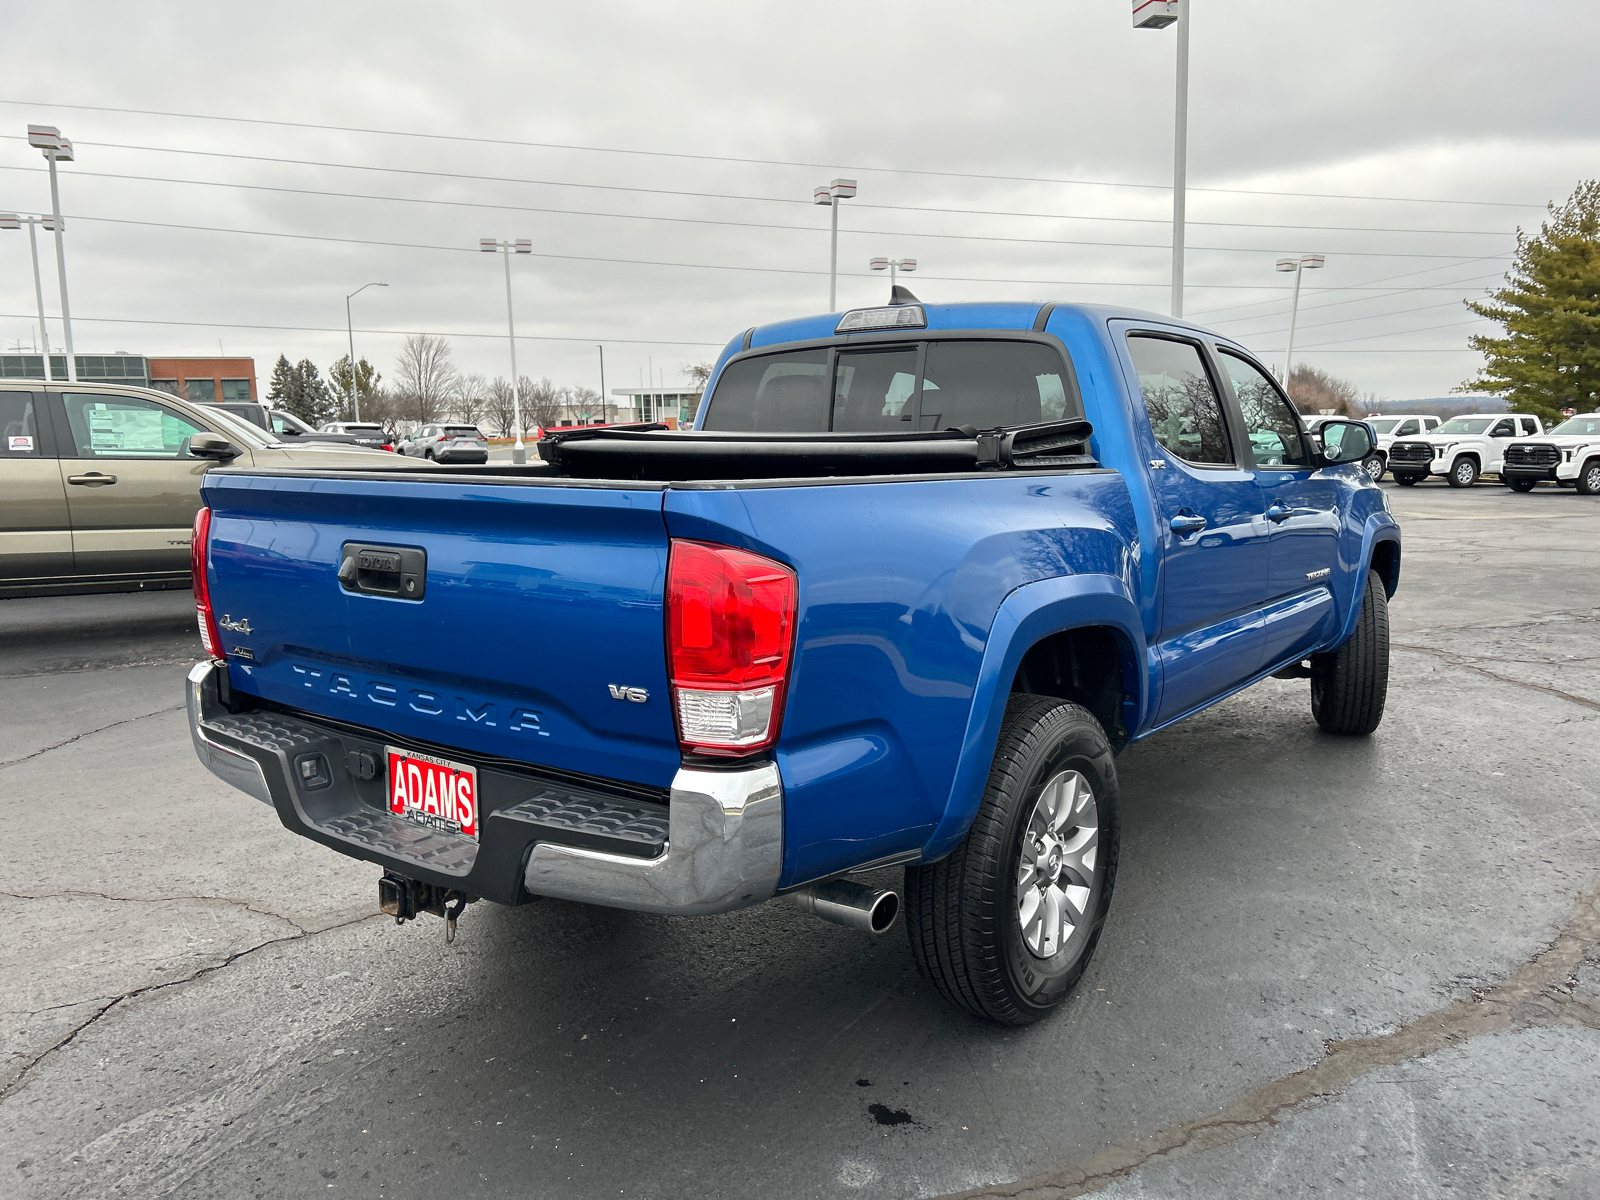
[538, 636]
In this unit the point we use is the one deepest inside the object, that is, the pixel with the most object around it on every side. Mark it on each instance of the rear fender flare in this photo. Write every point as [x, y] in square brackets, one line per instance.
[1032, 612]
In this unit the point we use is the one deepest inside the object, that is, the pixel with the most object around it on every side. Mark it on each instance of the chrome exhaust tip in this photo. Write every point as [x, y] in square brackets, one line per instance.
[853, 905]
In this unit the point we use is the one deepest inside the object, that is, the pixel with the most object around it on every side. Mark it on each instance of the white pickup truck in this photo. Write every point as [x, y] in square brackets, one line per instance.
[1568, 455]
[1461, 449]
[1390, 428]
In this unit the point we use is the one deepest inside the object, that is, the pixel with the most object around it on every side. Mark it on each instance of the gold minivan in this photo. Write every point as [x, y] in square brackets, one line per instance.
[100, 483]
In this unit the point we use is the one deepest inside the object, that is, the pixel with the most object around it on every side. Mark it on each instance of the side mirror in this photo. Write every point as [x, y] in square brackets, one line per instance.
[1345, 441]
[213, 446]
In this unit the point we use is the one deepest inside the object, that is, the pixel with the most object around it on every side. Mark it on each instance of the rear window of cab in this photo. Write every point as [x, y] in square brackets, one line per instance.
[898, 387]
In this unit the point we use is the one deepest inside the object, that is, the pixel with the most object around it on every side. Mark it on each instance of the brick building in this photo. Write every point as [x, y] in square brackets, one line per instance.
[205, 379]
[202, 379]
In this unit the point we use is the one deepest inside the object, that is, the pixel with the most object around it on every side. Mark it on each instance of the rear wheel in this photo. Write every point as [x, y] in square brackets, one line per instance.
[1589, 478]
[1463, 472]
[1519, 484]
[1007, 923]
[1349, 685]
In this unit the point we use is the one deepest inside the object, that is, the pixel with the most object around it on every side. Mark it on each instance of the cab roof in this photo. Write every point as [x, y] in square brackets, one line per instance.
[1003, 314]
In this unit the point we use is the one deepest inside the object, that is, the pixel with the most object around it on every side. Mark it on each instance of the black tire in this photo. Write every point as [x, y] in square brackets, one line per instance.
[1349, 685]
[1407, 480]
[1589, 478]
[962, 913]
[1520, 483]
[1463, 472]
[428, 454]
[1374, 465]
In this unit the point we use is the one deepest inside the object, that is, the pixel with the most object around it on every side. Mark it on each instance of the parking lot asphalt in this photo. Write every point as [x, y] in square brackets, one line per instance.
[1332, 967]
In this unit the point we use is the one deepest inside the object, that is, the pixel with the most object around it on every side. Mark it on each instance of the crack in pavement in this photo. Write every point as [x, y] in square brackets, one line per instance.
[1539, 993]
[11, 762]
[1469, 662]
[16, 1084]
[244, 904]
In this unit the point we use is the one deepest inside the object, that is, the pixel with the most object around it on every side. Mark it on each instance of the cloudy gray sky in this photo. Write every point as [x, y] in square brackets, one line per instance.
[662, 156]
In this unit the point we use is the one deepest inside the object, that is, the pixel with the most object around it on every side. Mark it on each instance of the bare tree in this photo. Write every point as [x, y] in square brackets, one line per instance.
[1314, 390]
[471, 399]
[542, 403]
[498, 406]
[425, 378]
[381, 406]
[582, 400]
[699, 373]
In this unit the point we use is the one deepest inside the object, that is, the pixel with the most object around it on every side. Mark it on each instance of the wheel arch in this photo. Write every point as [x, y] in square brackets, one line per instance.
[1078, 636]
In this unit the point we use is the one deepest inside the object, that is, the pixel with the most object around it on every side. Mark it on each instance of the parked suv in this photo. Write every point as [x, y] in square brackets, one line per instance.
[1461, 449]
[100, 483]
[365, 433]
[448, 444]
[1389, 429]
[1568, 455]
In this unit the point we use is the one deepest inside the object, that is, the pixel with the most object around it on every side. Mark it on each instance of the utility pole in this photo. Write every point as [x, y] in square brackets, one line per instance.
[605, 417]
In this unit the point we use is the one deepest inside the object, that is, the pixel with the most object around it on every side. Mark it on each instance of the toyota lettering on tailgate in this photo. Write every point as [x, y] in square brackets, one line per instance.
[434, 792]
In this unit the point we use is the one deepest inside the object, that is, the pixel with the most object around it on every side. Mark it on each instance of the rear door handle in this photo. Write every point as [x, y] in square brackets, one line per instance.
[92, 479]
[1183, 525]
[1279, 513]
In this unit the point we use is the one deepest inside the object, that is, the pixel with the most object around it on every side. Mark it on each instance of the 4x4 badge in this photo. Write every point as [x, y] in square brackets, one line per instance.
[242, 625]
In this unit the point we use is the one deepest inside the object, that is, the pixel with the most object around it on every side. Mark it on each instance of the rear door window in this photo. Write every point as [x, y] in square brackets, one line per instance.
[19, 426]
[772, 393]
[1180, 399]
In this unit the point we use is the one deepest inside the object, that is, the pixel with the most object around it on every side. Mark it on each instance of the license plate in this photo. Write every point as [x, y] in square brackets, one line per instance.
[434, 792]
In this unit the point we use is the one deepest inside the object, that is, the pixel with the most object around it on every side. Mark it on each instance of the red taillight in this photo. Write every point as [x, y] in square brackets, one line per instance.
[389, 448]
[730, 637]
[198, 545]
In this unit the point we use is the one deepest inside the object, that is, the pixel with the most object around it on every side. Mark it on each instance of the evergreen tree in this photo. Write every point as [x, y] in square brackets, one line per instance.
[285, 386]
[367, 378]
[1549, 356]
[316, 402]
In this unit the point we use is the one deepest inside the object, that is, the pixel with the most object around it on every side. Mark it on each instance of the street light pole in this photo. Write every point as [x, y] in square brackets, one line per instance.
[350, 330]
[604, 416]
[519, 453]
[1158, 14]
[892, 265]
[13, 221]
[1306, 262]
[48, 138]
[831, 194]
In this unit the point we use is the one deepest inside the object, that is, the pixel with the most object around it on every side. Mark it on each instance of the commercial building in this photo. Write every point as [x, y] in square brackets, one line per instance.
[647, 404]
[202, 379]
[205, 379]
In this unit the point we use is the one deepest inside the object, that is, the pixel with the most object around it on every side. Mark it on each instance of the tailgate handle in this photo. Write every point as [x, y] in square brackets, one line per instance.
[399, 572]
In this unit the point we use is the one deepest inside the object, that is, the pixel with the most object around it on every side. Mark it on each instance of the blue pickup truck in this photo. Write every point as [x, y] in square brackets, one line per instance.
[914, 578]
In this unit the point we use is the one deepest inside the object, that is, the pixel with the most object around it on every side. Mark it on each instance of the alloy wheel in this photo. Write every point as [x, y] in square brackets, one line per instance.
[1056, 872]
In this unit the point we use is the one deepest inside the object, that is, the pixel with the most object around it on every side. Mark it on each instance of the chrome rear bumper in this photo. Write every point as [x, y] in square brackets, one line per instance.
[724, 847]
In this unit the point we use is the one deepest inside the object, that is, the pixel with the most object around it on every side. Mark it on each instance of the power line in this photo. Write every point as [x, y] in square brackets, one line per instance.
[645, 262]
[809, 229]
[521, 337]
[769, 162]
[679, 192]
